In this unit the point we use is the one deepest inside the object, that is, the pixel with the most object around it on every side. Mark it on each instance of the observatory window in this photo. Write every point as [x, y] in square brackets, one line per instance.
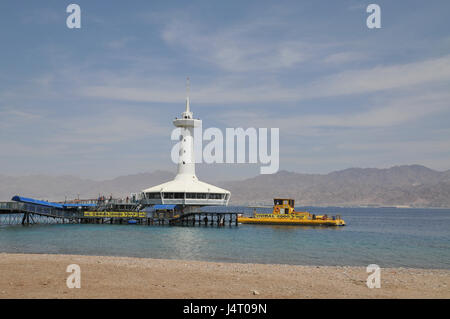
[190, 195]
[153, 195]
[178, 195]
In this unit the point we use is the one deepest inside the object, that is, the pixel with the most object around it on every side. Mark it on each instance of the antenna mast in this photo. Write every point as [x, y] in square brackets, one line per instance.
[188, 85]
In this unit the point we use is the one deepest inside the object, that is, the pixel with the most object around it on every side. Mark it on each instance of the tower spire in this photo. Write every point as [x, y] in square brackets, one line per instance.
[188, 84]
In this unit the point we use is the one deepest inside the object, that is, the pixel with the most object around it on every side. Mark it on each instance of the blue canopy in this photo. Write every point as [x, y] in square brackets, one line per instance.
[48, 204]
[36, 202]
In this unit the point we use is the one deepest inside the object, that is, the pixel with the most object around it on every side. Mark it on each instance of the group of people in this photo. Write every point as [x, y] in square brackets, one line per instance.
[103, 199]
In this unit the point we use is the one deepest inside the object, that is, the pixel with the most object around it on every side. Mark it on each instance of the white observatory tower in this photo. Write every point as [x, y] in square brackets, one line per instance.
[186, 190]
[186, 163]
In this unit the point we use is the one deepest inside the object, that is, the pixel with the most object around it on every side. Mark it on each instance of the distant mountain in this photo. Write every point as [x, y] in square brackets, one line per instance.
[407, 185]
[60, 187]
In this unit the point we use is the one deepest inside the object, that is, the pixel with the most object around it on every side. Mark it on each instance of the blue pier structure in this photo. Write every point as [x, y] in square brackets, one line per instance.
[26, 211]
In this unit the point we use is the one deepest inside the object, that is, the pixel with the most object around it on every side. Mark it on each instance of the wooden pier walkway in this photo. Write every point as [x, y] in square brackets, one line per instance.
[25, 214]
[11, 212]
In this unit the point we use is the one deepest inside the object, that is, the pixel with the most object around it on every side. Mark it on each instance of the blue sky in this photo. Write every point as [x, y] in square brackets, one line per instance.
[98, 101]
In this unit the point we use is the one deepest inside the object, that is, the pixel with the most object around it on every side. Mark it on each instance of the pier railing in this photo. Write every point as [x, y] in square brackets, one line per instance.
[20, 208]
[26, 211]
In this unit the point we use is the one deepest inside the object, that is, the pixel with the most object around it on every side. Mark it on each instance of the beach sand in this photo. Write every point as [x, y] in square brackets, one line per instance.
[44, 276]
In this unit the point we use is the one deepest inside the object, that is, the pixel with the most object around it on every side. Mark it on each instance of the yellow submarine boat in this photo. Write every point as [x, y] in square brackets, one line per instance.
[285, 214]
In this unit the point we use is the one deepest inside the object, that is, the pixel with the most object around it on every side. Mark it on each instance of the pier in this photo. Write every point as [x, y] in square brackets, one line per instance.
[17, 212]
[13, 212]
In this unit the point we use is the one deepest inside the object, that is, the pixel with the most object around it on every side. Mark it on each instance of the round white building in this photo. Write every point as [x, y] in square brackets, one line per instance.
[185, 189]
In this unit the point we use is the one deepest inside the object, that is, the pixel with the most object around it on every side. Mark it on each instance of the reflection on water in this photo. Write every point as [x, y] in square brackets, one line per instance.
[387, 237]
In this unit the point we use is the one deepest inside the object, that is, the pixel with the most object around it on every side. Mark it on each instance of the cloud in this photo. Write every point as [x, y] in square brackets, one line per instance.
[43, 16]
[133, 94]
[384, 77]
[120, 43]
[345, 57]
[240, 89]
[105, 129]
[8, 114]
[238, 48]
[392, 112]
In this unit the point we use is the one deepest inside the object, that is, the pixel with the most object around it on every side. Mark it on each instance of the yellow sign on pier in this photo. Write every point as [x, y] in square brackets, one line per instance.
[116, 214]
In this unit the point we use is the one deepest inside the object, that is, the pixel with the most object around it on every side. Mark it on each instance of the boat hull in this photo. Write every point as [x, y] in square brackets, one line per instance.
[290, 221]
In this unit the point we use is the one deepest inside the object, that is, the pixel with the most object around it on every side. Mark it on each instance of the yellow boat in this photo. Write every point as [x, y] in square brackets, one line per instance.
[285, 214]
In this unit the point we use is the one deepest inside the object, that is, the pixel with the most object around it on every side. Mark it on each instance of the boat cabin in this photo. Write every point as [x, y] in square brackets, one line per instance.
[283, 206]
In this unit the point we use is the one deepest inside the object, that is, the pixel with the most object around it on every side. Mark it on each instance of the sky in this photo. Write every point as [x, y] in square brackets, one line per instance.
[98, 102]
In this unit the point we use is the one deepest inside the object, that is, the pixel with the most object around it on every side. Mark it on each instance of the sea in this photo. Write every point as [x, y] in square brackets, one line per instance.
[388, 237]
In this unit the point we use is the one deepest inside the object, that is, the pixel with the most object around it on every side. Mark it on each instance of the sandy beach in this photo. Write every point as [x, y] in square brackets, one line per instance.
[44, 276]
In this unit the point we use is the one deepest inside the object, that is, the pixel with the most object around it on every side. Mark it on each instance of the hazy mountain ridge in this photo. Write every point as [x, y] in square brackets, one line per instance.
[409, 185]
[60, 187]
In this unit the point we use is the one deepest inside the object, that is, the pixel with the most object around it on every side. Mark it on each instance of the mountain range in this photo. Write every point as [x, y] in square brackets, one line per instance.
[406, 185]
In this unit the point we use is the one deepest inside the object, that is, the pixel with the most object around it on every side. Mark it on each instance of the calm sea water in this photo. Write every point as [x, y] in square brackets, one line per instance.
[388, 237]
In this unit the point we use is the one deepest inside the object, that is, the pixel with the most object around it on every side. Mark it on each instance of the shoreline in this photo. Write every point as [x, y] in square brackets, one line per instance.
[44, 276]
[221, 261]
